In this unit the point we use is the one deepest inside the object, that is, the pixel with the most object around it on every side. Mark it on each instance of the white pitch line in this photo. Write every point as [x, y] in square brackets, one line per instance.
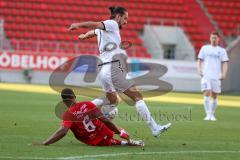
[117, 154]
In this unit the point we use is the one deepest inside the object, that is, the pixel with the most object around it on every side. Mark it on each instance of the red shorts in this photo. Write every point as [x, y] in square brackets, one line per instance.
[109, 142]
[103, 138]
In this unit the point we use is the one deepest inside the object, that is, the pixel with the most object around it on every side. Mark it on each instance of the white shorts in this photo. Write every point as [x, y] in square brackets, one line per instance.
[114, 79]
[211, 84]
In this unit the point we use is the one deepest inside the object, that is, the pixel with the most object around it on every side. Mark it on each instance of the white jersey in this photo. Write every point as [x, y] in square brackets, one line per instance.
[108, 39]
[212, 58]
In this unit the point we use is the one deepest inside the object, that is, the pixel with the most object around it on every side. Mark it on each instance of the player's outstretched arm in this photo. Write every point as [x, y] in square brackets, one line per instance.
[87, 35]
[59, 134]
[90, 24]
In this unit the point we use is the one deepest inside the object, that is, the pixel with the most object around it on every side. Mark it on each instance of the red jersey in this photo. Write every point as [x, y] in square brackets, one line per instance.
[85, 127]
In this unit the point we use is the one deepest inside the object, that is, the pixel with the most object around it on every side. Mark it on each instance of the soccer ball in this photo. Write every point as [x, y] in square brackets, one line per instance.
[110, 111]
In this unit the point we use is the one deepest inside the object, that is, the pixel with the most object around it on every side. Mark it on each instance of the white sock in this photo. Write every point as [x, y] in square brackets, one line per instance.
[207, 105]
[124, 143]
[213, 105]
[143, 111]
[101, 101]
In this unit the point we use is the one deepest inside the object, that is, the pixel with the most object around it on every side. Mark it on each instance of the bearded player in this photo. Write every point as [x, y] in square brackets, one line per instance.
[114, 68]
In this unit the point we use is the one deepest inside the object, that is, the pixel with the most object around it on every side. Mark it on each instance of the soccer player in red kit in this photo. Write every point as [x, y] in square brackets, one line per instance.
[88, 124]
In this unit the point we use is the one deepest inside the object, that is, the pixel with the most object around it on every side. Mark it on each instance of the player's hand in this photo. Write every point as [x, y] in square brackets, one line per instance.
[73, 26]
[124, 134]
[81, 36]
[223, 76]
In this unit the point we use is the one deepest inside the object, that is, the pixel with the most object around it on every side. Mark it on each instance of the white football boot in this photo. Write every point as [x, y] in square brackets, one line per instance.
[136, 143]
[213, 118]
[207, 118]
[161, 129]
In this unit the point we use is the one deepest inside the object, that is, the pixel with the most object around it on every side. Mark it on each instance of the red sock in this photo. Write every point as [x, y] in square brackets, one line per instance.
[116, 141]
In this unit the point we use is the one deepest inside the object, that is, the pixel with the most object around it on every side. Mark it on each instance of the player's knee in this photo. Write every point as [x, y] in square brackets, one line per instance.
[214, 96]
[137, 97]
[113, 99]
[207, 93]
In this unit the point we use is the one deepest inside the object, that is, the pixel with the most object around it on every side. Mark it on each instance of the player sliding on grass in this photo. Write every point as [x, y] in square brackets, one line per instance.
[114, 65]
[88, 124]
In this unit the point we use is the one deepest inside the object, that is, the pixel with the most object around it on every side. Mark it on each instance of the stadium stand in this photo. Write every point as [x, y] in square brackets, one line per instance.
[227, 18]
[41, 25]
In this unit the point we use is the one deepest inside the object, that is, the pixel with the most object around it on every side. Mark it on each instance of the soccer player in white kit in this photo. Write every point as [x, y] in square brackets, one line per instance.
[114, 70]
[212, 66]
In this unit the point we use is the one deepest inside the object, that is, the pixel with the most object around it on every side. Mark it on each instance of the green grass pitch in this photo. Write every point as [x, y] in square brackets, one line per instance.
[29, 117]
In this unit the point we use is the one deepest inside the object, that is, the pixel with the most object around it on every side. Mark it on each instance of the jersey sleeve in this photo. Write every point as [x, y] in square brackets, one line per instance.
[201, 54]
[224, 57]
[67, 119]
[67, 124]
[110, 25]
[96, 31]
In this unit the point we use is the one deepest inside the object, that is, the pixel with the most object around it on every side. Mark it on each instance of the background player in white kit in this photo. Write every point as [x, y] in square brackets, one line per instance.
[212, 66]
[114, 70]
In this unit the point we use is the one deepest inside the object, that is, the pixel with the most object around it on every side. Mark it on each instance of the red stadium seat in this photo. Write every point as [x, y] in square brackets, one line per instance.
[227, 18]
[48, 20]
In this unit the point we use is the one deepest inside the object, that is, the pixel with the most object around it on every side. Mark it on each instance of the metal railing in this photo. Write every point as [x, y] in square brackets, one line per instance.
[1, 33]
[4, 42]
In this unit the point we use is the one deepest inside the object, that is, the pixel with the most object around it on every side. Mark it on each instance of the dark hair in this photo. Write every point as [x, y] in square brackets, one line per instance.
[215, 33]
[116, 10]
[67, 93]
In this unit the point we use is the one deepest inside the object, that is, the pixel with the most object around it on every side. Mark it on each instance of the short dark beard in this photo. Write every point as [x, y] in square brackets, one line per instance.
[119, 25]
